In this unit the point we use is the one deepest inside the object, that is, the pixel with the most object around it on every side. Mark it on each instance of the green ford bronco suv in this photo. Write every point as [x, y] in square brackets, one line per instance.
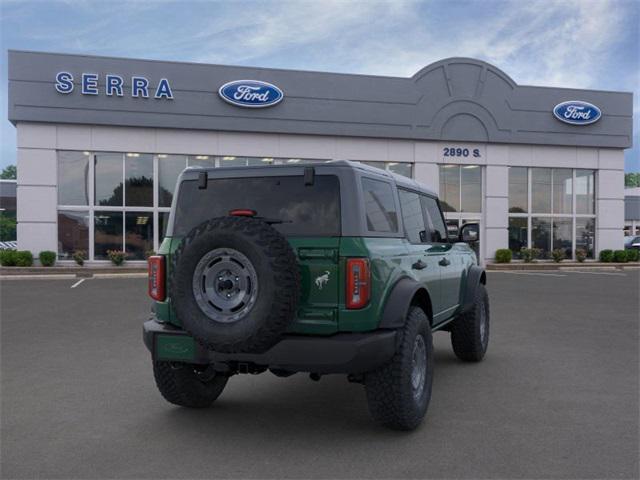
[324, 268]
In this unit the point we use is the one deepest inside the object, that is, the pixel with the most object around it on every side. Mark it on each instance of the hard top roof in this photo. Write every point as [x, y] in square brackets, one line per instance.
[400, 180]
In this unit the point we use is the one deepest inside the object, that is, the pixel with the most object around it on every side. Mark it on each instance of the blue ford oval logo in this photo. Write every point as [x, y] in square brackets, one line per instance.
[577, 112]
[251, 93]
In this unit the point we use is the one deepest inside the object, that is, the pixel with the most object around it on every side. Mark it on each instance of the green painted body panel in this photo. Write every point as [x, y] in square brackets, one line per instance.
[322, 262]
[318, 307]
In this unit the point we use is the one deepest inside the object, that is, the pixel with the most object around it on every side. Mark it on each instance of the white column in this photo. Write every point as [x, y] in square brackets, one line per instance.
[428, 174]
[496, 210]
[610, 200]
[37, 188]
[425, 168]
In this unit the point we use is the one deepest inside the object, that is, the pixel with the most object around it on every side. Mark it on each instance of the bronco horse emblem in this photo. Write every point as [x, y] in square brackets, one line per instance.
[322, 280]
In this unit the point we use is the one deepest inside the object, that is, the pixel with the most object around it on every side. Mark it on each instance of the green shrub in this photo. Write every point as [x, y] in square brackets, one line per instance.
[606, 255]
[526, 254]
[530, 254]
[80, 256]
[581, 254]
[8, 258]
[47, 258]
[558, 255]
[620, 256]
[633, 255]
[117, 257]
[503, 255]
[24, 258]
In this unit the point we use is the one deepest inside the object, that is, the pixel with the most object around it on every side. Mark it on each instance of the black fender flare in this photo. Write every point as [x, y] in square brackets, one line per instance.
[475, 276]
[399, 300]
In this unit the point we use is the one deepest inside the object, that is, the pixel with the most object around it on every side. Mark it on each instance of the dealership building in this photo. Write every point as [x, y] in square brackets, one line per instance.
[102, 140]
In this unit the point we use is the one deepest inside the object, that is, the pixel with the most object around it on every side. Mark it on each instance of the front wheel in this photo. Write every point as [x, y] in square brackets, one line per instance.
[470, 331]
[398, 394]
[187, 385]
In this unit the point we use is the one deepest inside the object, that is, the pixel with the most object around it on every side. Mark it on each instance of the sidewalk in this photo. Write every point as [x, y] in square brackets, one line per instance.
[562, 265]
[75, 271]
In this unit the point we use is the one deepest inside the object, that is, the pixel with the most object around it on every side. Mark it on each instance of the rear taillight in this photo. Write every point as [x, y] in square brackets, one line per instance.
[156, 277]
[358, 284]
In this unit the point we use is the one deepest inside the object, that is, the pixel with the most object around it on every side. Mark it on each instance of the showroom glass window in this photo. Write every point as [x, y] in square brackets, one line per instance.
[461, 194]
[73, 178]
[551, 208]
[461, 188]
[401, 168]
[122, 200]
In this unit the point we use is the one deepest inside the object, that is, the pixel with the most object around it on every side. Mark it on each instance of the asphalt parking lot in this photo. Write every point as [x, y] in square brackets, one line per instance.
[556, 397]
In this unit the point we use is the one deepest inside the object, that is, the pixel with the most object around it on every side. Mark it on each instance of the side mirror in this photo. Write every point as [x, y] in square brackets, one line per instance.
[452, 233]
[470, 233]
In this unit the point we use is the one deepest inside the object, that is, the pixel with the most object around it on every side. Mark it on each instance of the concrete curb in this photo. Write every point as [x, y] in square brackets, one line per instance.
[497, 267]
[80, 272]
[64, 276]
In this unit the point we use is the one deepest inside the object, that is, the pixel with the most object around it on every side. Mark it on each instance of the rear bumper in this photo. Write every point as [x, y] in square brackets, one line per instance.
[339, 353]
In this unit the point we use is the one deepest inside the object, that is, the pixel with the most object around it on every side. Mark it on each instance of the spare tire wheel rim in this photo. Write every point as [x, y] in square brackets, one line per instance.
[225, 285]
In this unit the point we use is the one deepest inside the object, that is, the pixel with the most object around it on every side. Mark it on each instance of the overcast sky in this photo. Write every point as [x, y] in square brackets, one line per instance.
[566, 43]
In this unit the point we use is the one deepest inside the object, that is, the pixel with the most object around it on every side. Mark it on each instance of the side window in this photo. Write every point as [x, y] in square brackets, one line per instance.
[412, 216]
[379, 205]
[434, 216]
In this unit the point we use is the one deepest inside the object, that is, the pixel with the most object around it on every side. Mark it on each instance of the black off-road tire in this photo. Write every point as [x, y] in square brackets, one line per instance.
[468, 337]
[278, 279]
[390, 394]
[180, 384]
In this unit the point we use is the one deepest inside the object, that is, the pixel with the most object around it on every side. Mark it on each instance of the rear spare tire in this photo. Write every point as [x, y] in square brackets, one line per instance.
[235, 284]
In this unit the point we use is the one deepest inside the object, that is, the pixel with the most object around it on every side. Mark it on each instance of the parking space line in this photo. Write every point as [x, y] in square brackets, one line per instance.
[532, 273]
[598, 273]
[78, 283]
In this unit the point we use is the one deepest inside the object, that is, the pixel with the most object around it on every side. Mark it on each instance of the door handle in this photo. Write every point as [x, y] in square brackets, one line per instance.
[419, 265]
[444, 262]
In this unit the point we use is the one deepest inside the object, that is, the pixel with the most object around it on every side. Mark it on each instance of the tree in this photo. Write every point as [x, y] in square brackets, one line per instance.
[632, 180]
[9, 173]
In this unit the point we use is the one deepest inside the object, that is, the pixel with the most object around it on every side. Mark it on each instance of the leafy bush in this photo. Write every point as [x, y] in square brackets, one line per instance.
[526, 254]
[633, 255]
[80, 256]
[606, 255]
[149, 253]
[503, 255]
[24, 258]
[47, 258]
[8, 258]
[620, 256]
[117, 257]
[581, 254]
[558, 255]
[530, 254]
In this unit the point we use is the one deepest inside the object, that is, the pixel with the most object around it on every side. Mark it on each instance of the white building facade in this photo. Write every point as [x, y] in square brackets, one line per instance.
[96, 171]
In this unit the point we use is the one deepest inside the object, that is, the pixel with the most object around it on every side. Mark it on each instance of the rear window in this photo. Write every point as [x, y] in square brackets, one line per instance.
[305, 210]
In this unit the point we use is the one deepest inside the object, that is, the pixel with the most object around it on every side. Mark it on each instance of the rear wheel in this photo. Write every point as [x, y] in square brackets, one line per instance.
[188, 385]
[470, 331]
[398, 394]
